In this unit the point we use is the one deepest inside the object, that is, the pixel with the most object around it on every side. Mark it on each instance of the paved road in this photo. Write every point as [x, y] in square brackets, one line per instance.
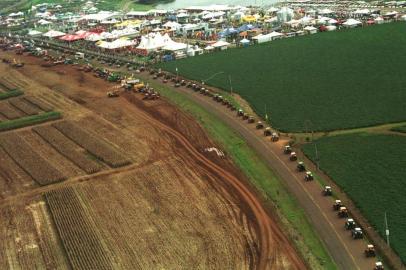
[346, 252]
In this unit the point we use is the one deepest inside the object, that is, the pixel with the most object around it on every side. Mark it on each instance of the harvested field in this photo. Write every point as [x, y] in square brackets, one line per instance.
[78, 233]
[96, 146]
[29, 160]
[27, 238]
[9, 111]
[67, 148]
[39, 103]
[24, 106]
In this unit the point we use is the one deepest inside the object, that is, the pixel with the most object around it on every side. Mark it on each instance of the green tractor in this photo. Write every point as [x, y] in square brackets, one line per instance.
[113, 77]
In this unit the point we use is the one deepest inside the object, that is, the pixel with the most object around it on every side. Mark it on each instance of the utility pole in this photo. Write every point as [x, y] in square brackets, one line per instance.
[231, 86]
[387, 230]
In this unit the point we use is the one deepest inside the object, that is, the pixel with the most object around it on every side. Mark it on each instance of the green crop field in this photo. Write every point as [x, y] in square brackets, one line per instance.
[335, 80]
[370, 168]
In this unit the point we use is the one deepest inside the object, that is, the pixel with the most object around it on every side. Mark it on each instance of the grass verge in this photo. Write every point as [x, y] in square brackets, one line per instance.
[293, 218]
[401, 129]
[11, 93]
[29, 120]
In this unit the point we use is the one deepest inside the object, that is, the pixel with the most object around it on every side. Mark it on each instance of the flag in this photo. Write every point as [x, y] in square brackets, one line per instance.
[176, 69]
[266, 117]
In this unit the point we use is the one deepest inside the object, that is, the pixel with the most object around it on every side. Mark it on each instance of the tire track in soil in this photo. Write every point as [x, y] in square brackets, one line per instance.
[268, 230]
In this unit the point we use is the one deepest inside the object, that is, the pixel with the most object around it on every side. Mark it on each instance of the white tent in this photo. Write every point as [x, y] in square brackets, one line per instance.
[325, 11]
[221, 44]
[172, 25]
[117, 44]
[364, 11]
[352, 23]
[379, 20]
[53, 34]
[268, 37]
[310, 29]
[174, 46]
[44, 22]
[331, 27]
[272, 10]
[94, 37]
[244, 41]
[34, 33]
[209, 48]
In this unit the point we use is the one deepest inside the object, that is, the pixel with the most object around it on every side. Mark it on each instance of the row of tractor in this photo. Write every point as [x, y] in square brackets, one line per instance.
[342, 211]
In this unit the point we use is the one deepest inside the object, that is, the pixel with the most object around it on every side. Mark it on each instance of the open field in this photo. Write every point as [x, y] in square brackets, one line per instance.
[322, 82]
[175, 206]
[370, 169]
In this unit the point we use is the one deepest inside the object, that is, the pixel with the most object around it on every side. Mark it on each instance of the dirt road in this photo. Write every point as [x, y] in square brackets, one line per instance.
[347, 253]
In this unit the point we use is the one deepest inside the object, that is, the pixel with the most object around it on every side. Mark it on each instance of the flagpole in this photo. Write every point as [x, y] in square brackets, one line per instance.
[387, 230]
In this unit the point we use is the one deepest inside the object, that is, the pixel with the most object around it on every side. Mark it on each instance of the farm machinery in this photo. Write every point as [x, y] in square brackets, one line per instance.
[267, 131]
[259, 125]
[337, 204]
[113, 77]
[343, 212]
[327, 191]
[274, 137]
[309, 176]
[378, 266]
[370, 251]
[293, 156]
[357, 233]
[300, 166]
[17, 64]
[287, 149]
[251, 120]
[114, 93]
[350, 224]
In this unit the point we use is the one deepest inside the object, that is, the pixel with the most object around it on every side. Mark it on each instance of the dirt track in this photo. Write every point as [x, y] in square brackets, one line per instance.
[273, 246]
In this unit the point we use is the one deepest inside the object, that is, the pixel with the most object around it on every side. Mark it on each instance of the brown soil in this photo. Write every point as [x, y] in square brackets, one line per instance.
[176, 206]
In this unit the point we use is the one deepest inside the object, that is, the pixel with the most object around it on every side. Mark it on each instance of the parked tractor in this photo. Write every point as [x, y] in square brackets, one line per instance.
[309, 176]
[112, 94]
[357, 233]
[274, 137]
[293, 156]
[240, 112]
[378, 266]
[350, 224]
[287, 149]
[267, 131]
[370, 251]
[337, 204]
[327, 191]
[300, 166]
[251, 120]
[245, 116]
[343, 212]
[260, 125]
[113, 77]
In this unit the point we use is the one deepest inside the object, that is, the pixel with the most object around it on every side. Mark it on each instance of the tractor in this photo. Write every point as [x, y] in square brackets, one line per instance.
[337, 205]
[113, 77]
[343, 212]
[240, 112]
[251, 120]
[260, 125]
[225, 101]
[327, 191]
[112, 94]
[274, 137]
[309, 176]
[267, 131]
[370, 251]
[350, 224]
[378, 266]
[245, 116]
[300, 166]
[183, 82]
[177, 84]
[357, 233]
[293, 156]
[287, 149]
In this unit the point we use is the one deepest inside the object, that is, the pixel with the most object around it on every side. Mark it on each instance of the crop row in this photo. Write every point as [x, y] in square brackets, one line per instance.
[67, 148]
[78, 234]
[29, 120]
[39, 103]
[94, 145]
[10, 93]
[24, 106]
[29, 160]
[9, 112]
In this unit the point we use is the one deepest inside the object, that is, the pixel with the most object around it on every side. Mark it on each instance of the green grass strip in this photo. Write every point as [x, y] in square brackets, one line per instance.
[29, 120]
[293, 218]
[11, 93]
[401, 129]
